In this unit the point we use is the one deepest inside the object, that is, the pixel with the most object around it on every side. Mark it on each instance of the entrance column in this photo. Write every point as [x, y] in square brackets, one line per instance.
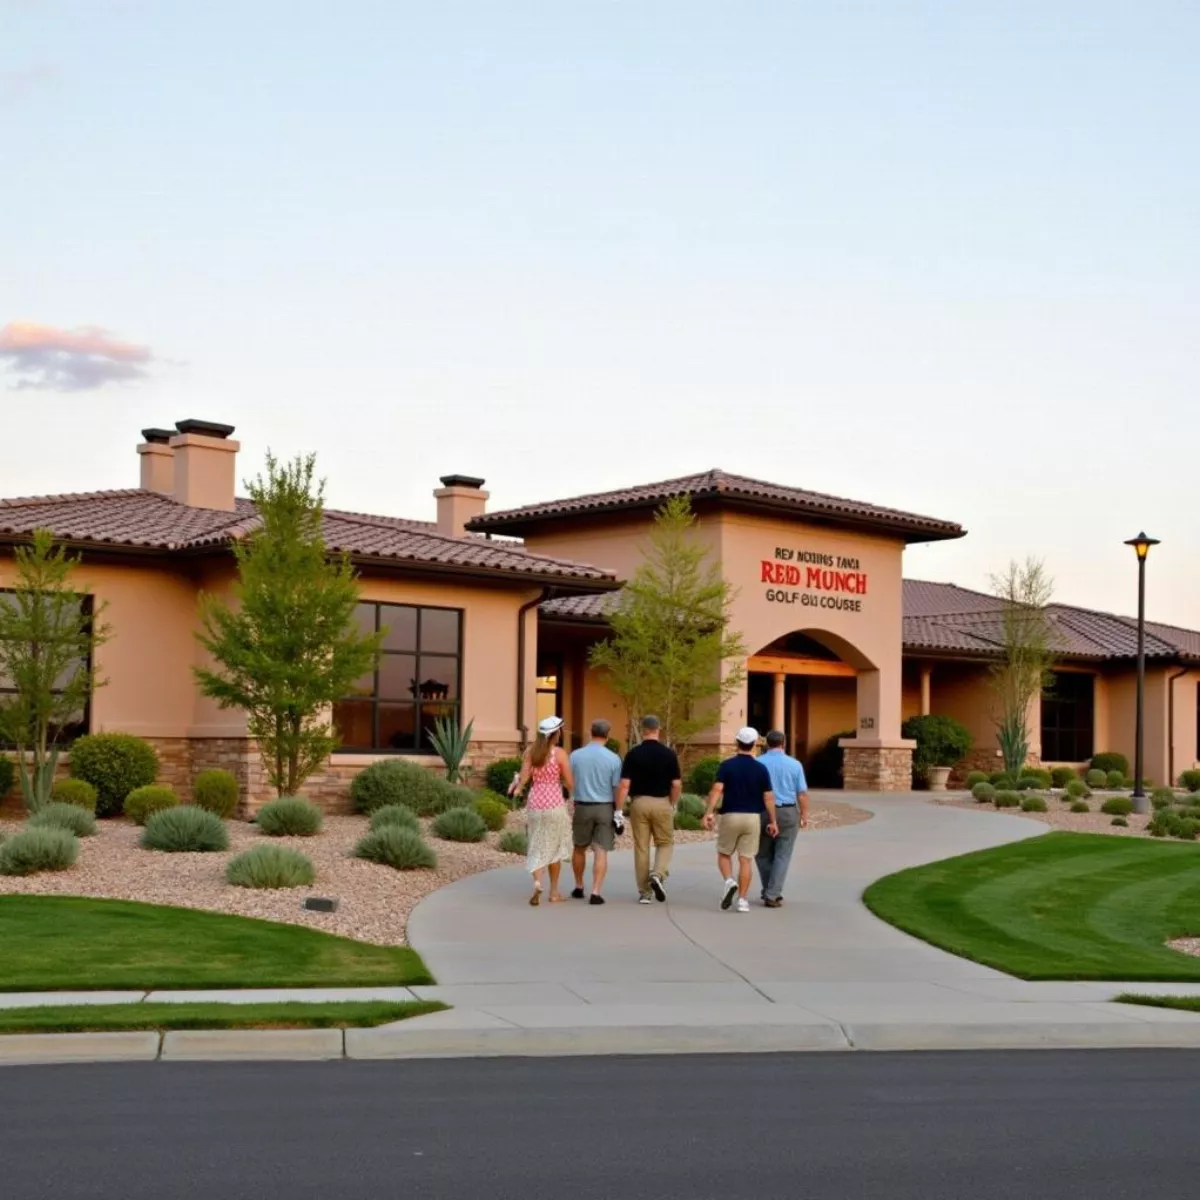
[779, 702]
[877, 759]
[926, 688]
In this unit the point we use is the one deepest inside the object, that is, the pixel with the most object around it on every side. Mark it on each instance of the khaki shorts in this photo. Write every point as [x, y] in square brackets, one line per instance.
[592, 825]
[738, 833]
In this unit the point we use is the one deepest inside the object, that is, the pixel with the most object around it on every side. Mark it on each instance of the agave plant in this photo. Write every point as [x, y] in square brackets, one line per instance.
[452, 743]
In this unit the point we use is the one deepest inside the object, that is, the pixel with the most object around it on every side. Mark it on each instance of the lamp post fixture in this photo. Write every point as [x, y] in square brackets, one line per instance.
[1141, 547]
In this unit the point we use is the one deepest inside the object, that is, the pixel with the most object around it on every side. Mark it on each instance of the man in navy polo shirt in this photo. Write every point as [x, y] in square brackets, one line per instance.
[791, 815]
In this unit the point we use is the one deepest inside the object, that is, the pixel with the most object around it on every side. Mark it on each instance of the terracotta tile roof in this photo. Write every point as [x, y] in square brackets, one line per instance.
[581, 608]
[134, 519]
[736, 491]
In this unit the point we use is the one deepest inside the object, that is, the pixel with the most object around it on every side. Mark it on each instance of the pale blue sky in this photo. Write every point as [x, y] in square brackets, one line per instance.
[943, 256]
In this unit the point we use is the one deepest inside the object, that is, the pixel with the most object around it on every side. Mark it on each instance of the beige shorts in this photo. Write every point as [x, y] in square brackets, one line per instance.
[738, 833]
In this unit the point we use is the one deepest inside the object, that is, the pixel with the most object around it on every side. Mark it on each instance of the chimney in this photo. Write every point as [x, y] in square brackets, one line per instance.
[158, 461]
[205, 465]
[460, 499]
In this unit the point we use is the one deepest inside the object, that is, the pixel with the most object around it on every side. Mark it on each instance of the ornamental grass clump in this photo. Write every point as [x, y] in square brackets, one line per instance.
[1110, 761]
[289, 816]
[185, 829]
[1078, 789]
[1124, 824]
[392, 781]
[1162, 797]
[685, 820]
[34, 850]
[693, 805]
[1041, 777]
[395, 814]
[396, 847]
[1027, 783]
[78, 792]
[1008, 799]
[216, 791]
[1190, 780]
[142, 803]
[494, 812]
[514, 841]
[983, 792]
[460, 825]
[1061, 776]
[1033, 804]
[1096, 779]
[1116, 779]
[1117, 806]
[1080, 806]
[59, 815]
[974, 777]
[267, 866]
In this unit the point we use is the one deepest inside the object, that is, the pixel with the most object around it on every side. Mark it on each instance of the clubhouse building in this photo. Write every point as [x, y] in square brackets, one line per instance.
[491, 615]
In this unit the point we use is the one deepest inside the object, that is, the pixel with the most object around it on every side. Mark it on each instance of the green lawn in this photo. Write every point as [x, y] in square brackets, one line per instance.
[1186, 1003]
[1061, 906]
[53, 943]
[88, 1018]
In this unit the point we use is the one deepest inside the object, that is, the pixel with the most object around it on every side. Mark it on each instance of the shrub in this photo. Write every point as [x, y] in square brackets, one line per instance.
[704, 774]
[289, 816]
[267, 866]
[500, 774]
[499, 798]
[1001, 779]
[1061, 776]
[984, 792]
[114, 764]
[693, 805]
[1187, 828]
[460, 825]
[493, 812]
[1120, 821]
[1040, 776]
[1117, 806]
[684, 820]
[941, 742]
[1078, 789]
[396, 847]
[1116, 779]
[395, 814]
[8, 775]
[142, 803]
[58, 815]
[613, 745]
[514, 841]
[38, 849]
[1096, 778]
[216, 791]
[1162, 797]
[78, 792]
[1080, 806]
[1008, 799]
[1033, 804]
[974, 777]
[1025, 784]
[186, 828]
[1190, 780]
[1127, 783]
[393, 781]
[1110, 762]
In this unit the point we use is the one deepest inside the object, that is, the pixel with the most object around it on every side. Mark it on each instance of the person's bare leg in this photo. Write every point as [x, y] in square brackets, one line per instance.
[579, 864]
[599, 869]
[725, 862]
[537, 886]
[555, 870]
[745, 872]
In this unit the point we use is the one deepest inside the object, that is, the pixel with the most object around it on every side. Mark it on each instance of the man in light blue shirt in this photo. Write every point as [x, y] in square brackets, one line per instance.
[791, 815]
[597, 817]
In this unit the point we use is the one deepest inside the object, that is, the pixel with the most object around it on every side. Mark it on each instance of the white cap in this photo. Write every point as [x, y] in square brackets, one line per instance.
[747, 735]
[548, 725]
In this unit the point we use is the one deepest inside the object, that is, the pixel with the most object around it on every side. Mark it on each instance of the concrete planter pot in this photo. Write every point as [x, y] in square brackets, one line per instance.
[938, 778]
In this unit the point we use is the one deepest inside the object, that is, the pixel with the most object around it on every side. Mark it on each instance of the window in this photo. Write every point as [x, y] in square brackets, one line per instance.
[1068, 706]
[418, 680]
[65, 734]
[549, 686]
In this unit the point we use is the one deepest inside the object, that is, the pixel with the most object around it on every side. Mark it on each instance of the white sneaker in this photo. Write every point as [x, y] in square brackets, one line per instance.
[729, 890]
[743, 905]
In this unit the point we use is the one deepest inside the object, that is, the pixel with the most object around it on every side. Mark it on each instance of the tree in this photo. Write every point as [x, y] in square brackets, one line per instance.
[288, 648]
[48, 633]
[1024, 672]
[671, 651]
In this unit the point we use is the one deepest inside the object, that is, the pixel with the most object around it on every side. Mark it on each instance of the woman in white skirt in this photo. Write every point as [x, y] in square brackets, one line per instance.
[548, 823]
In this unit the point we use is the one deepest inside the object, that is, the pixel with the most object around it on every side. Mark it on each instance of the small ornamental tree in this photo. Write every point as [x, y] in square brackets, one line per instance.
[288, 647]
[1024, 670]
[48, 632]
[672, 652]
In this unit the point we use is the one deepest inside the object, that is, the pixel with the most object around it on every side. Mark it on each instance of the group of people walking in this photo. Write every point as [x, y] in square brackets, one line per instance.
[762, 802]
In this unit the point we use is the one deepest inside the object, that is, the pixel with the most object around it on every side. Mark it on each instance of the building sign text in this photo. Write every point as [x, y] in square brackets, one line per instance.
[822, 580]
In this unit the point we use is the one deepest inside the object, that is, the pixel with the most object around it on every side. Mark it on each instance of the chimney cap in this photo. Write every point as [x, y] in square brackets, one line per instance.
[204, 428]
[466, 481]
[157, 437]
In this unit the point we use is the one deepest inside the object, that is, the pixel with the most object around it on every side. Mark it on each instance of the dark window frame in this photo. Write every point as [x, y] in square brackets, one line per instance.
[419, 744]
[558, 660]
[1069, 720]
[87, 606]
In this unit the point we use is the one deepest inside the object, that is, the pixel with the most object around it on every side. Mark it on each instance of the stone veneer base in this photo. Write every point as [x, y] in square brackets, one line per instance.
[877, 769]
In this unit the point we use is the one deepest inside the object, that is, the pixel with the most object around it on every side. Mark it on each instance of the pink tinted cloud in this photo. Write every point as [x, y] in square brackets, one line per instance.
[69, 360]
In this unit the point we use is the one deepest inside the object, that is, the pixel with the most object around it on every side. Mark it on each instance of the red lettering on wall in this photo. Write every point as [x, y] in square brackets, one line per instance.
[768, 572]
[813, 578]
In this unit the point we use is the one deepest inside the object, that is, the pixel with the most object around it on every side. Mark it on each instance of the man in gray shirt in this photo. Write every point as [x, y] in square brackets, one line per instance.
[598, 816]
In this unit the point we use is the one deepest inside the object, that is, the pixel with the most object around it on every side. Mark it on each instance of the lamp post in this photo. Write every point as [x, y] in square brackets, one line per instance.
[1141, 547]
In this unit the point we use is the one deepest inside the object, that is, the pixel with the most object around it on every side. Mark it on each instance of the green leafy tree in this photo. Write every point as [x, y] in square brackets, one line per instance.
[672, 652]
[1023, 673]
[47, 638]
[288, 647]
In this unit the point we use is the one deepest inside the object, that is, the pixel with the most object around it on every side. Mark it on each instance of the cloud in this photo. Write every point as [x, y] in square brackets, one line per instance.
[69, 360]
[16, 86]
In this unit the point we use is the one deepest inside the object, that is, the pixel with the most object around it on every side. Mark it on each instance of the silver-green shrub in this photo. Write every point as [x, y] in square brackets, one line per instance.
[395, 814]
[514, 841]
[289, 816]
[267, 866]
[183, 829]
[34, 850]
[58, 814]
[397, 847]
[460, 825]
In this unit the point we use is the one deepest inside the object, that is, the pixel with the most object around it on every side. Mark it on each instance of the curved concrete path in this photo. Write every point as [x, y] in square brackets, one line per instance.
[820, 972]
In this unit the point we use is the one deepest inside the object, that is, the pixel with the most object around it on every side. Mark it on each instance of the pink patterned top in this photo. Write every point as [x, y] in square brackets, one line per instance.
[545, 788]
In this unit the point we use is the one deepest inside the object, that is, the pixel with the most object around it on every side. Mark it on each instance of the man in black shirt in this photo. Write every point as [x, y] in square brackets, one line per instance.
[651, 776]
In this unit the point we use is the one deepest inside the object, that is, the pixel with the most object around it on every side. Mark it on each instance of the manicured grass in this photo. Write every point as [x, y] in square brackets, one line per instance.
[51, 943]
[1186, 1003]
[89, 1018]
[1061, 906]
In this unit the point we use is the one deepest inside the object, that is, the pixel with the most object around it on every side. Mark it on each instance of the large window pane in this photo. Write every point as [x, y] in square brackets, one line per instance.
[397, 726]
[398, 677]
[364, 617]
[439, 630]
[430, 714]
[400, 620]
[439, 677]
[354, 721]
[1068, 713]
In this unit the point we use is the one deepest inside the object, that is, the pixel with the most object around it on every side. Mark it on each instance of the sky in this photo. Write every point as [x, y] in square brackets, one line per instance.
[938, 256]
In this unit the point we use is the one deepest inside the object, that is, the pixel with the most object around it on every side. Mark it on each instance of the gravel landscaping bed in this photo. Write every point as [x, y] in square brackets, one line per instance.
[1058, 816]
[374, 901]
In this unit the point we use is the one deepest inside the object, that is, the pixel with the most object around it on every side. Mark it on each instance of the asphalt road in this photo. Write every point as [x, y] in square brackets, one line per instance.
[767, 1127]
